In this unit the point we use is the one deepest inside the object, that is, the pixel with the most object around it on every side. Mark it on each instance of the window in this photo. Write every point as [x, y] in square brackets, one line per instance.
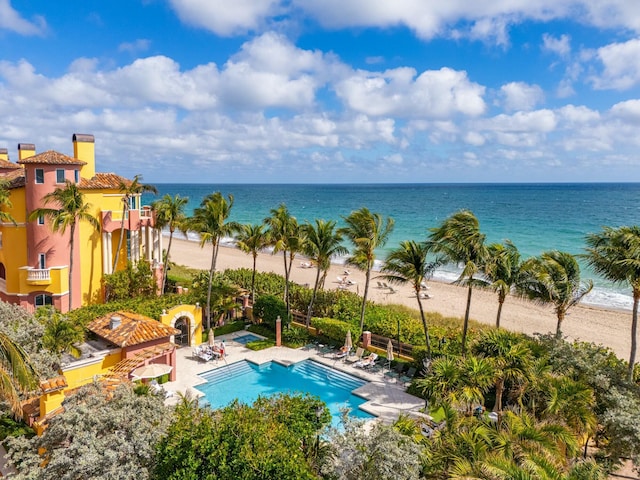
[133, 202]
[40, 219]
[42, 300]
[76, 175]
[59, 175]
[42, 261]
[3, 272]
[0, 239]
[39, 175]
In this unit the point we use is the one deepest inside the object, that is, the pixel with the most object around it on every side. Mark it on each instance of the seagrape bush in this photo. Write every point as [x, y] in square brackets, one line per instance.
[266, 283]
[333, 329]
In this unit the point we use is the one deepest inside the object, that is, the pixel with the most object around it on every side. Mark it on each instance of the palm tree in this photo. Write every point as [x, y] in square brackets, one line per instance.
[210, 222]
[509, 356]
[367, 231]
[284, 235]
[72, 209]
[502, 271]
[5, 202]
[322, 244]
[459, 239]
[408, 264]
[129, 189]
[252, 239]
[614, 253]
[169, 213]
[554, 277]
[16, 373]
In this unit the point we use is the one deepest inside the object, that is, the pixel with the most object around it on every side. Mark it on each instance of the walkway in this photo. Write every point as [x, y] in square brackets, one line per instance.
[386, 398]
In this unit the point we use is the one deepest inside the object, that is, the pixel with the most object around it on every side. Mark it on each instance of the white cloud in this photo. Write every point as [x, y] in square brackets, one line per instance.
[521, 96]
[628, 111]
[137, 46]
[560, 46]
[226, 17]
[621, 66]
[11, 20]
[433, 94]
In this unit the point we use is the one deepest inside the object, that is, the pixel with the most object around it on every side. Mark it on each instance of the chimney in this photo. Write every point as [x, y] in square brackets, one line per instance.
[26, 150]
[4, 154]
[84, 149]
[114, 322]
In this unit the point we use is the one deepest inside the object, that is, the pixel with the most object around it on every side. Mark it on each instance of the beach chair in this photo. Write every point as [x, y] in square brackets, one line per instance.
[380, 285]
[356, 357]
[408, 377]
[342, 353]
[367, 362]
[425, 295]
[396, 371]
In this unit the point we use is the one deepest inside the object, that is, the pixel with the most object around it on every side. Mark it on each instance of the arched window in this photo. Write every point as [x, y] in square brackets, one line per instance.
[3, 272]
[42, 300]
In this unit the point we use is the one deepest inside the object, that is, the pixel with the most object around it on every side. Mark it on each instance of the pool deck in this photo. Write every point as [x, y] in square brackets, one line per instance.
[386, 397]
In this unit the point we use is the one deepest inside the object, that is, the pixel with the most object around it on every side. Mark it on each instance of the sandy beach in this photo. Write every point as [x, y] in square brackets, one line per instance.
[610, 328]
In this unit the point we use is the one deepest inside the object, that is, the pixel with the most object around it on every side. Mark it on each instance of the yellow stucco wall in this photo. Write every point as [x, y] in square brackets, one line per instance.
[13, 253]
[82, 373]
[193, 313]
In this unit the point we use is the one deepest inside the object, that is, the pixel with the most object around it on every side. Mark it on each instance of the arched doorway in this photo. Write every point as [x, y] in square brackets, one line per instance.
[182, 338]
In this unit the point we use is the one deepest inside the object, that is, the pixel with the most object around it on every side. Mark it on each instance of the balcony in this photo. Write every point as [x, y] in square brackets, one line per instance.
[133, 219]
[39, 276]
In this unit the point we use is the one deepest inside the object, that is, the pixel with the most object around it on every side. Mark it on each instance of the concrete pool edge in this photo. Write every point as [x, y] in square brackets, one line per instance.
[384, 398]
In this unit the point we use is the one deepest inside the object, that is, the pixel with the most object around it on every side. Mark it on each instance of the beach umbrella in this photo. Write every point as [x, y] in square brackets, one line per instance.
[212, 338]
[153, 370]
[347, 341]
[390, 353]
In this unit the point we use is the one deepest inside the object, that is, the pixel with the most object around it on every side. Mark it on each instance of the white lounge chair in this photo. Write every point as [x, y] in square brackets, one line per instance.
[367, 362]
[356, 357]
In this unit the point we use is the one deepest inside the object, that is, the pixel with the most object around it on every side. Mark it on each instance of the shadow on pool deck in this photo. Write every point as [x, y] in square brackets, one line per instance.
[386, 399]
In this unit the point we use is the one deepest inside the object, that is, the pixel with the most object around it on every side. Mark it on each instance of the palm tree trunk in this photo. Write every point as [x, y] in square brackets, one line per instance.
[72, 231]
[424, 322]
[166, 262]
[313, 296]
[253, 278]
[560, 314]
[286, 281]
[500, 303]
[497, 406]
[466, 320]
[364, 296]
[211, 270]
[324, 278]
[634, 333]
[117, 257]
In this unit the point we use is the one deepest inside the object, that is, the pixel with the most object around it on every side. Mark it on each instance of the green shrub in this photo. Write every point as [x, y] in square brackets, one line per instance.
[10, 427]
[263, 330]
[269, 308]
[260, 344]
[332, 329]
[134, 281]
[295, 337]
[228, 328]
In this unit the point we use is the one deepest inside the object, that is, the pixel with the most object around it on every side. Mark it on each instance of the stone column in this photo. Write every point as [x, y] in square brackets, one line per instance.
[278, 331]
[366, 340]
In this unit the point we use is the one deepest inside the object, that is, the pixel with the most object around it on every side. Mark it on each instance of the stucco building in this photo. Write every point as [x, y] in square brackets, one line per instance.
[34, 261]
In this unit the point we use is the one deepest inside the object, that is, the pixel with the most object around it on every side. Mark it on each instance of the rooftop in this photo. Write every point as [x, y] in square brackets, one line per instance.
[51, 157]
[125, 329]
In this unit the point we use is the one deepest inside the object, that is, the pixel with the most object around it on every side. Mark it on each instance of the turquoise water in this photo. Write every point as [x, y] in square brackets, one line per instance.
[536, 217]
[247, 338]
[246, 381]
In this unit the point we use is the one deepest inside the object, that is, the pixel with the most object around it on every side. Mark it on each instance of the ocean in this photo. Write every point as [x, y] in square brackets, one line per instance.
[535, 217]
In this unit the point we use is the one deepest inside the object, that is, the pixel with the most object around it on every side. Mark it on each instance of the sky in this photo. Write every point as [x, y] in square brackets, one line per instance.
[329, 91]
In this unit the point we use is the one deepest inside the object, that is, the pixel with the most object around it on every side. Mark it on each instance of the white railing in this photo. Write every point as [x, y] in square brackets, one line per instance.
[34, 274]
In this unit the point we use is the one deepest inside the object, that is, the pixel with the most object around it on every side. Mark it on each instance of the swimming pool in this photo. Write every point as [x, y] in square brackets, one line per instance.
[246, 381]
[246, 338]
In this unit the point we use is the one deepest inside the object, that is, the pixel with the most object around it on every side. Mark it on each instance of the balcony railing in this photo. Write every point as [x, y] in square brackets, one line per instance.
[38, 274]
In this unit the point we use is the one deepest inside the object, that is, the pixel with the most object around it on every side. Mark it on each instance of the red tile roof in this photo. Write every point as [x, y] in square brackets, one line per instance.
[13, 178]
[51, 157]
[53, 384]
[134, 329]
[6, 164]
[103, 181]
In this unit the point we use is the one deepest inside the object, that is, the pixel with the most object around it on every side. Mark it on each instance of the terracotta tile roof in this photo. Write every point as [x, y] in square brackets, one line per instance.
[133, 329]
[13, 178]
[51, 157]
[103, 181]
[53, 384]
[6, 164]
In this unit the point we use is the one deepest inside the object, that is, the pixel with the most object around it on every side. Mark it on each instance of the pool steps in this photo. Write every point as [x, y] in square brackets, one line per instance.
[309, 368]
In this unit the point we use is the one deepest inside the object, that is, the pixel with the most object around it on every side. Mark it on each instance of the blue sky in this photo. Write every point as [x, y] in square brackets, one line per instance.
[317, 91]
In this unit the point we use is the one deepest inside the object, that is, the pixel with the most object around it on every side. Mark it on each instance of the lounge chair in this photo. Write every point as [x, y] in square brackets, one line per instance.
[342, 353]
[392, 290]
[367, 362]
[425, 295]
[356, 357]
[396, 371]
[408, 377]
[380, 285]
[158, 389]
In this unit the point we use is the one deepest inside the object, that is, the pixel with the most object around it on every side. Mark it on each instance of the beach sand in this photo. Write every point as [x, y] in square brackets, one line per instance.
[610, 328]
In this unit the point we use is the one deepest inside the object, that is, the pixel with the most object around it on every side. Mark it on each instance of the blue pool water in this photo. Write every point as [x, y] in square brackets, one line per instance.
[246, 381]
[244, 339]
